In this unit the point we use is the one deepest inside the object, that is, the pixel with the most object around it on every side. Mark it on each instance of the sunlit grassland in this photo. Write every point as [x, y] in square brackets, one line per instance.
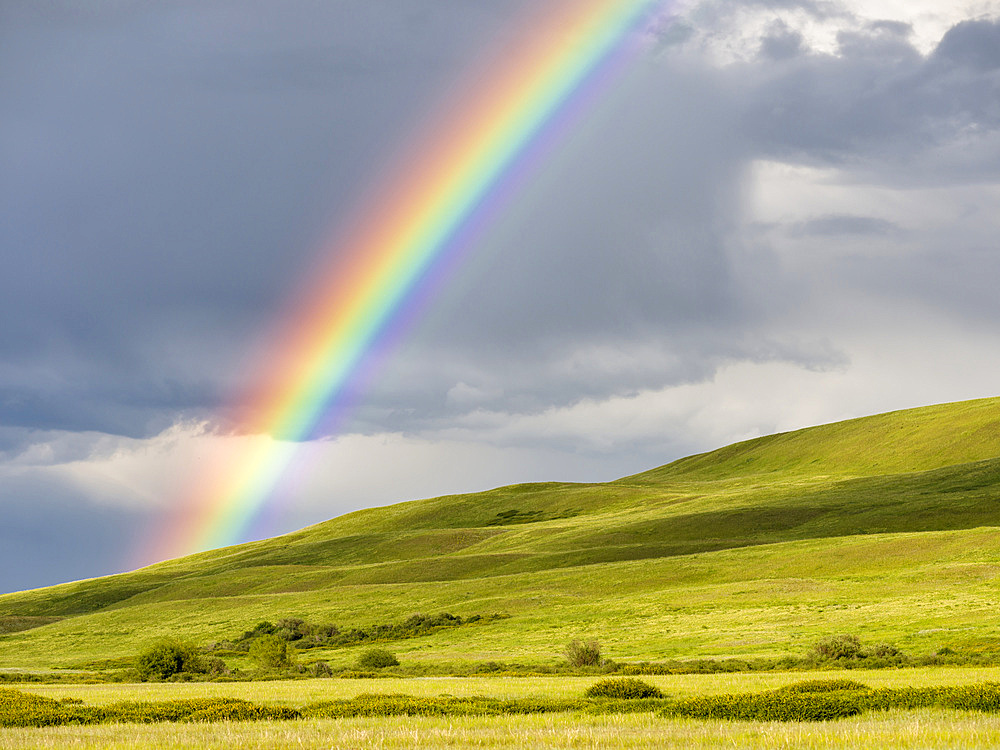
[301, 692]
[887, 527]
[920, 591]
[938, 729]
[897, 729]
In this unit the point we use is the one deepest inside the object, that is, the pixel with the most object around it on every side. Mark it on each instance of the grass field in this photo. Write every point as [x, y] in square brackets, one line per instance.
[300, 692]
[886, 527]
[922, 728]
[925, 729]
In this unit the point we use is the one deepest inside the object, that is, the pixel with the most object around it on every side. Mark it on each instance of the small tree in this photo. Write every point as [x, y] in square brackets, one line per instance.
[622, 688]
[377, 658]
[270, 652]
[838, 647]
[320, 669]
[167, 658]
[580, 654]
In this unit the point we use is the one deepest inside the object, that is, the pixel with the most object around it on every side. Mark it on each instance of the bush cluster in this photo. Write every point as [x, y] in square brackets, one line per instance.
[823, 686]
[810, 701]
[583, 654]
[622, 688]
[270, 651]
[377, 658]
[820, 700]
[18, 709]
[305, 635]
[846, 650]
[773, 706]
[170, 659]
[841, 651]
[409, 705]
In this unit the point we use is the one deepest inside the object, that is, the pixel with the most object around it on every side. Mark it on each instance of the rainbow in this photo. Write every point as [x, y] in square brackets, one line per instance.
[456, 176]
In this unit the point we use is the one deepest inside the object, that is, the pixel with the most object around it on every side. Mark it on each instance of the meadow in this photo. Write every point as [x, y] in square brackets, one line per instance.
[920, 728]
[886, 528]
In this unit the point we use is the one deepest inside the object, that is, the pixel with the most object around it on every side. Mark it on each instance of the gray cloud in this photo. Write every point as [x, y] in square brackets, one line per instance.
[168, 171]
[165, 185]
[882, 109]
[974, 44]
[781, 42]
[52, 533]
[833, 225]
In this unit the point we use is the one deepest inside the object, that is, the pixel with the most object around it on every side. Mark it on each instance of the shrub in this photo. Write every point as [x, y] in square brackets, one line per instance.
[167, 658]
[622, 688]
[580, 654]
[774, 706]
[882, 651]
[838, 647]
[823, 686]
[214, 666]
[320, 669]
[270, 652]
[376, 658]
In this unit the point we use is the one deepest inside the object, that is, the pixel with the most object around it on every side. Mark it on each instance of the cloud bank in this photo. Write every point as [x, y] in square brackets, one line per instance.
[786, 214]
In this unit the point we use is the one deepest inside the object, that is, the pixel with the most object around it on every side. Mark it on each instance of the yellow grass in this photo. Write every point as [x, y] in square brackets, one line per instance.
[896, 730]
[300, 692]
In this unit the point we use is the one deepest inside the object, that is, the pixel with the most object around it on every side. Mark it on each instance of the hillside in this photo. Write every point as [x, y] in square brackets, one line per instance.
[887, 526]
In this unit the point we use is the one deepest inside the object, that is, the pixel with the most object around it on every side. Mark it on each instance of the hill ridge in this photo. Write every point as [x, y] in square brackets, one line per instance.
[909, 475]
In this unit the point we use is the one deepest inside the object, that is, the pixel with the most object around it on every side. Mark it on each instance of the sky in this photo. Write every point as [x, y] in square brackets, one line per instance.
[783, 213]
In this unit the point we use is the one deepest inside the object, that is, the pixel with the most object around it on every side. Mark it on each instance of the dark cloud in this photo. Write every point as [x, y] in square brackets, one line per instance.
[881, 108]
[781, 42]
[975, 44]
[833, 225]
[52, 533]
[168, 171]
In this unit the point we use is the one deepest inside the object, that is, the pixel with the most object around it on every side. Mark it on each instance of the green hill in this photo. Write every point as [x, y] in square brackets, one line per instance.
[885, 526]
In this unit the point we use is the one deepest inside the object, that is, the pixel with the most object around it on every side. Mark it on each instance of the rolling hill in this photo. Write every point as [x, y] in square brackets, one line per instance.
[885, 526]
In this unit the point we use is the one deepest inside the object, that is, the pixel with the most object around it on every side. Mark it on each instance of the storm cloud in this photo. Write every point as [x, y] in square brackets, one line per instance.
[800, 191]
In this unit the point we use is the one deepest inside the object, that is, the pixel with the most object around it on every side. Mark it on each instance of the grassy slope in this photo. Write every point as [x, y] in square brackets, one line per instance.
[887, 526]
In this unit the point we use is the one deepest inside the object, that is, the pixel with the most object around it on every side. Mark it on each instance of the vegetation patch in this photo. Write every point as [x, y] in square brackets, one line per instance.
[823, 700]
[409, 705]
[583, 653]
[515, 516]
[305, 635]
[376, 658]
[622, 688]
[815, 700]
[17, 624]
[19, 709]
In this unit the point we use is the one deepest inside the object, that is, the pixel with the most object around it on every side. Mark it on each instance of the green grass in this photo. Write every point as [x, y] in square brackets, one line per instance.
[887, 527]
[922, 728]
[911, 730]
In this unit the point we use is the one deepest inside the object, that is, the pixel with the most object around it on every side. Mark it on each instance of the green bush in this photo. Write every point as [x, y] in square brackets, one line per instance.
[167, 658]
[307, 635]
[580, 654]
[376, 658]
[409, 705]
[838, 647]
[270, 651]
[882, 651]
[822, 686]
[775, 706]
[320, 669]
[623, 688]
[19, 709]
